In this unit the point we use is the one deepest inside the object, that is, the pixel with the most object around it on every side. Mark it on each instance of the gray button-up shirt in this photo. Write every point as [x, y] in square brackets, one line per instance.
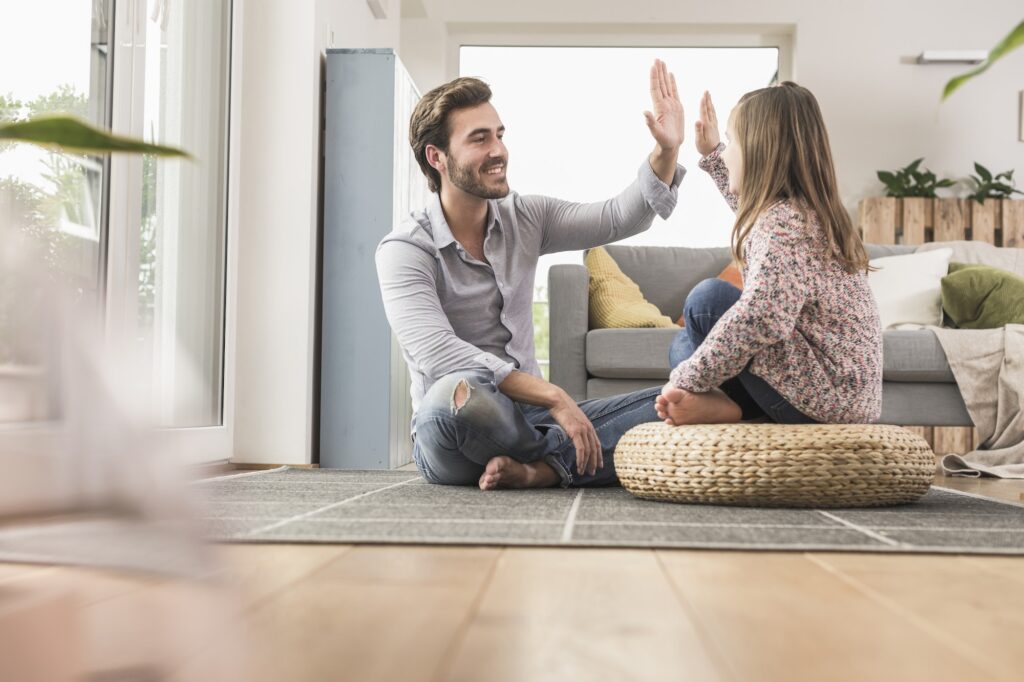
[452, 312]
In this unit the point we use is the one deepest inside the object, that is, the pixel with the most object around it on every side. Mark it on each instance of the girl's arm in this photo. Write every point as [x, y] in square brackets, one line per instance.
[713, 164]
[774, 294]
[709, 144]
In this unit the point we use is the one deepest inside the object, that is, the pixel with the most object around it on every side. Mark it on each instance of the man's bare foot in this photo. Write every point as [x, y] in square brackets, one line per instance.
[679, 407]
[505, 472]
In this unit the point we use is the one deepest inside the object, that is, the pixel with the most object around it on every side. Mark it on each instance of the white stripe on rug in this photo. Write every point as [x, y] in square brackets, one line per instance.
[299, 517]
[570, 519]
[866, 531]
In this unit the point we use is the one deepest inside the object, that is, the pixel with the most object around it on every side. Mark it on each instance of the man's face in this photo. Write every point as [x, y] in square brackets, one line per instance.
[477, 159]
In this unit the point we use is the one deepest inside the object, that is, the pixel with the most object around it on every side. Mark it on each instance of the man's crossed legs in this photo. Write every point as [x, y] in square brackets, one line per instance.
[467, 431]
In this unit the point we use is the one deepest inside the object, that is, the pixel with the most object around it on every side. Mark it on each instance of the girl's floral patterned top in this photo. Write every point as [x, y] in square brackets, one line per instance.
[804, 324]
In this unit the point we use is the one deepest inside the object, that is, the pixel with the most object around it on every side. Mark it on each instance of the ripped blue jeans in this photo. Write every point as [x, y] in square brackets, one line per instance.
[453, 444]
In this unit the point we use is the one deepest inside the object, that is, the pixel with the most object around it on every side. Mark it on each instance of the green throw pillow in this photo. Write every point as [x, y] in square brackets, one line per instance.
[982, 297]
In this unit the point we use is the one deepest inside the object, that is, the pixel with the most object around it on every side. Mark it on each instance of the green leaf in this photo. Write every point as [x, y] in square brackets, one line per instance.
[890, 181]
[982, 171]
[912, 168]
[893, 183]
[1011, 42]
[945, 183]
[73, 135]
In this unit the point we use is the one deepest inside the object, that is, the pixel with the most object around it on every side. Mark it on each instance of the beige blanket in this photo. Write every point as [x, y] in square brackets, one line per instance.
[988, 365]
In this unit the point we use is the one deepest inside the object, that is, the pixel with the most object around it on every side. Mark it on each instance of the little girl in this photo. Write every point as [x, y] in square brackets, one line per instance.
[802, 342]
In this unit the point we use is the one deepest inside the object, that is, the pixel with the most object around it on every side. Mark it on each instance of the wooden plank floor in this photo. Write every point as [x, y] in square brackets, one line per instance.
[308, 612]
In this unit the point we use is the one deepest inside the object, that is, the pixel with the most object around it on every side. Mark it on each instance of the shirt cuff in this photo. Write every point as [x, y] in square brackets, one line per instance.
[496, 365]
[707, 162]
[661, 197]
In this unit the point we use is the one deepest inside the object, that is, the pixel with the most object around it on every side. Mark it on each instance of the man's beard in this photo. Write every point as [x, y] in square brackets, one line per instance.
[472, 182]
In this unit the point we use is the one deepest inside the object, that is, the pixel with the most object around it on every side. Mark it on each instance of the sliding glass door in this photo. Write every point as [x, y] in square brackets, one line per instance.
[144, 238]
[180, 255]
[54, 59]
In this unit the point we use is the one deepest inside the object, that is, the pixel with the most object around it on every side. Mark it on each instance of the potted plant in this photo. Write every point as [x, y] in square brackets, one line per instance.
[908, 209]
[993, 208]
[913, 213]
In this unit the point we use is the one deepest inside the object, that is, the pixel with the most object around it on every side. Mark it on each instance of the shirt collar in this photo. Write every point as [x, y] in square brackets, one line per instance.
[439, 226]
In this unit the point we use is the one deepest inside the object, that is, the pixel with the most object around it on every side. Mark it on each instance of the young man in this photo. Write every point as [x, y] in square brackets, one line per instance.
[457, 283]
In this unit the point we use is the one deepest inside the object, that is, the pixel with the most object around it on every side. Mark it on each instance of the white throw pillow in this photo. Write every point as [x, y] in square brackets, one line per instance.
[908, 289]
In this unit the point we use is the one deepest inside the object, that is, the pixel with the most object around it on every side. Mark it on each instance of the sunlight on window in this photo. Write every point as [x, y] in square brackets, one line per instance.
[53, 59]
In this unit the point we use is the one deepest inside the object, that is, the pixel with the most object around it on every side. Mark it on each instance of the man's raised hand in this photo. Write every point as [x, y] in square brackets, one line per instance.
[667, 119]
[706, 128]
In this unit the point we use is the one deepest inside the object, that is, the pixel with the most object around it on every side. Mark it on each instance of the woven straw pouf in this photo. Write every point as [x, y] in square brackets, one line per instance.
[775, 465]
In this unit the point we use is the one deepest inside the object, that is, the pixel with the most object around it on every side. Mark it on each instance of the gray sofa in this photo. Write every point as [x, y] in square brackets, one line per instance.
[918, 386]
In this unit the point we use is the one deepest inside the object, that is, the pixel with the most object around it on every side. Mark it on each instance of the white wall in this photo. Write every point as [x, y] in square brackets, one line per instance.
[882, 112]
[278, 186]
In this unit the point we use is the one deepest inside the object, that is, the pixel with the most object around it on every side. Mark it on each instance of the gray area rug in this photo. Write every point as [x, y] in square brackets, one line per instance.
[333, 506]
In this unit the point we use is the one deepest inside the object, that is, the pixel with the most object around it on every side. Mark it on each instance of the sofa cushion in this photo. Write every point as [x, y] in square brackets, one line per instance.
[883, 250]
[914, 355]
[908, 356]
[629, 353]
[982, 297]
[615, 300]
[665, 274]
[907, 288]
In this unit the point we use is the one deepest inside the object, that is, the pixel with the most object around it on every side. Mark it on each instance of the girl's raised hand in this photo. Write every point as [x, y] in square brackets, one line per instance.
[667, 121]
[706, 127]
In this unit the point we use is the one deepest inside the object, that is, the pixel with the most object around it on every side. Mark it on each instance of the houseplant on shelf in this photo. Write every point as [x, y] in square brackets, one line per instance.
[908, 207]
[989, 186]
[912, 181]
[1000, 220]
[911, 212]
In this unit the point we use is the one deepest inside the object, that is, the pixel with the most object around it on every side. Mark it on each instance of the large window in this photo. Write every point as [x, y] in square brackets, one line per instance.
[575, 129]
[179, 325]
[144, 237]
[54, 59]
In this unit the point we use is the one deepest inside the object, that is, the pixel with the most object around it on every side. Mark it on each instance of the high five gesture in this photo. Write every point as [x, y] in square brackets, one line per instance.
[706, 127]
[665, 121]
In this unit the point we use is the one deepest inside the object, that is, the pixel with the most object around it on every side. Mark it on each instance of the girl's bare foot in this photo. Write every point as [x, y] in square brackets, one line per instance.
[678, 407]
[505, 472]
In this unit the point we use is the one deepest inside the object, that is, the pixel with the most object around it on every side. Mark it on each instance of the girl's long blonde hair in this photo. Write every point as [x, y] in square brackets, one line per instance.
[786, 155]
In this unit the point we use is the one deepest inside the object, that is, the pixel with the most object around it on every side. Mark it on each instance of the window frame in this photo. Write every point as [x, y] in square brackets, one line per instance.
[196, 445]
[780, 36]
[36, 470]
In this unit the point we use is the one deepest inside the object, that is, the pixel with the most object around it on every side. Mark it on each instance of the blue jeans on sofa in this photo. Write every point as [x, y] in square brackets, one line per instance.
[705, 305]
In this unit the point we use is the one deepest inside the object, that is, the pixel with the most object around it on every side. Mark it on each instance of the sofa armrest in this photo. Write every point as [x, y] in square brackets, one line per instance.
[568, 296]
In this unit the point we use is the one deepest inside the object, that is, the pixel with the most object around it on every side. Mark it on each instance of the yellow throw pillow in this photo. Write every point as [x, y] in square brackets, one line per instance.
[615, 300]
